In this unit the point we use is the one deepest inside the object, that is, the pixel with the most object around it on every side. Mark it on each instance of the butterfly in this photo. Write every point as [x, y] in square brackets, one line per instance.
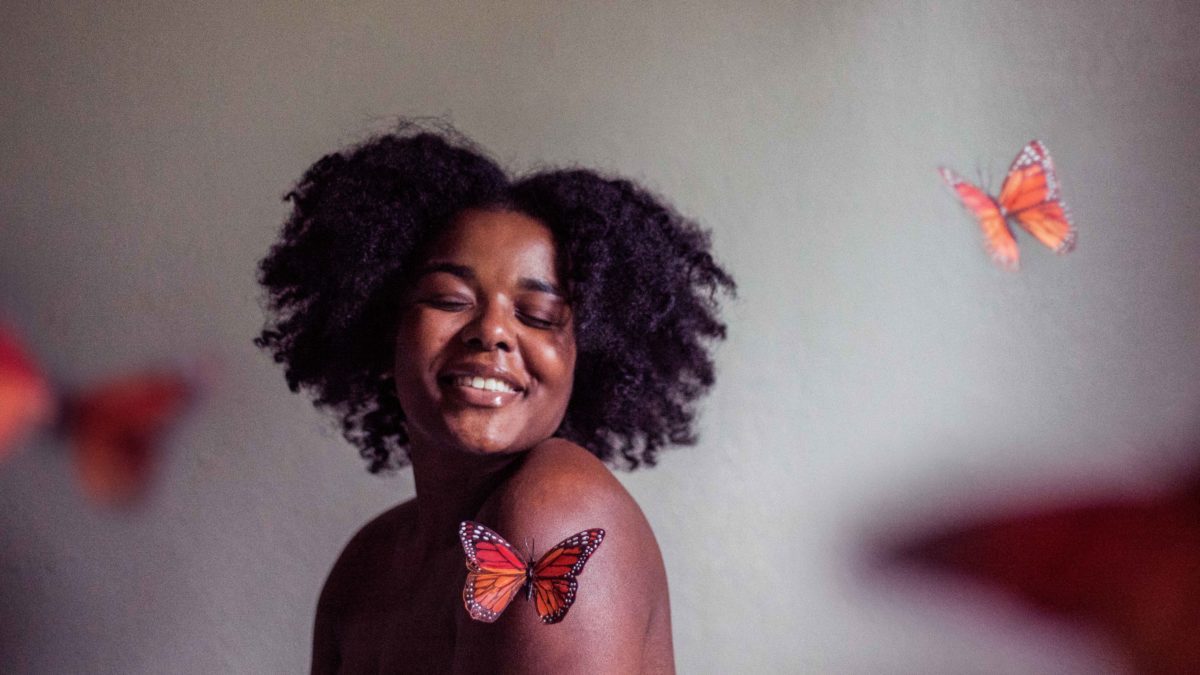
[1029, 197]
[496, 573]
[115, 428]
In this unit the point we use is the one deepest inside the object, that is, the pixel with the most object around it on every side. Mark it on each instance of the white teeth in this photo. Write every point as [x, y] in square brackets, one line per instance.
[487, 384]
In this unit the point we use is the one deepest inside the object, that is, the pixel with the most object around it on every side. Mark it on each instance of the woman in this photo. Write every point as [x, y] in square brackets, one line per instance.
[506, 337]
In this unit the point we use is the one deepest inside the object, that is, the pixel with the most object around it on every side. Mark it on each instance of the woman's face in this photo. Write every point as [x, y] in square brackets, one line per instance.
[485, 346]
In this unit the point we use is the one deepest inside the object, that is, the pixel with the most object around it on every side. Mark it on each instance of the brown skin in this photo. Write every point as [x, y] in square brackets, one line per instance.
[489, 304]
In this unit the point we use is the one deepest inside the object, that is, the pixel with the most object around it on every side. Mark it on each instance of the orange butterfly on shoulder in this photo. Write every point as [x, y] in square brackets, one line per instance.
[1029, 197]
[115, 428]
[496, 573]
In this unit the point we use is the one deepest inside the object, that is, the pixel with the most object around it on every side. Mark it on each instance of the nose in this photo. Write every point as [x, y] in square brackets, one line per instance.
[490, 329]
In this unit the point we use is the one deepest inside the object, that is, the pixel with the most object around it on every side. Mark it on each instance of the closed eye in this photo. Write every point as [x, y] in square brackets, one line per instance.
[535, 321]
[448, 304]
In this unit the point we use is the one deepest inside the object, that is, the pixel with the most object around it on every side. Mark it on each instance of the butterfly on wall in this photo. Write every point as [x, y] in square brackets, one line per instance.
[115, 428]
[1029, 197]
[496, 573]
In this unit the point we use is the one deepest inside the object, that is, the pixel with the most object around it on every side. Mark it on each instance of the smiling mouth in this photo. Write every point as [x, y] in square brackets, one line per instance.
[483, 384]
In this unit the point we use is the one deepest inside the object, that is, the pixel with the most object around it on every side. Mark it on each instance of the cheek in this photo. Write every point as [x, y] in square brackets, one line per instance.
[406, 347]
[422, 333]
[415, 348]
[555, 361]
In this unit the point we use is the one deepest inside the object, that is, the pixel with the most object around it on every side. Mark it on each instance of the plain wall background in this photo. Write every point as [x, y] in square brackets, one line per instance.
[878, 365]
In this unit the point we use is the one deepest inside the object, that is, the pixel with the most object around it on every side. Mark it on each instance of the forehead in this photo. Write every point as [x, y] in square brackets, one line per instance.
[498, 242]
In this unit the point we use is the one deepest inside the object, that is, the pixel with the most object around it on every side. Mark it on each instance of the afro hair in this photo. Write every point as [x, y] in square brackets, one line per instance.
[640, 278]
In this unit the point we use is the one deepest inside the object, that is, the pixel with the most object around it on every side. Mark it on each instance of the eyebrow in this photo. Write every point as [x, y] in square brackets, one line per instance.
[467, 274]
[461, 271]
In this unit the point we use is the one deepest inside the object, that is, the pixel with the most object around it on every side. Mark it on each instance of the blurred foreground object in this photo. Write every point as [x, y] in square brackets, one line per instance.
[1128, 567]
[115, 428]
[116, 432]
[25, 398]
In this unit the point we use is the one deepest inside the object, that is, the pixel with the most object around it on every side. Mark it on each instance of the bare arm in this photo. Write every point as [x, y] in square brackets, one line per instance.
[559, 491]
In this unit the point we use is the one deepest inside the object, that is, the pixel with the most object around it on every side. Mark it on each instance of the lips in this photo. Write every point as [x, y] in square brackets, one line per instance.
[480, 385]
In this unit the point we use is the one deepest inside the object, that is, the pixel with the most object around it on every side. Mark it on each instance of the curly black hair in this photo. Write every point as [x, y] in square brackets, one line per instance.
[640, 278]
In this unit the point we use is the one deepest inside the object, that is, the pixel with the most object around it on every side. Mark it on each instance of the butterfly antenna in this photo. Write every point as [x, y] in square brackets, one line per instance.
[983, 175]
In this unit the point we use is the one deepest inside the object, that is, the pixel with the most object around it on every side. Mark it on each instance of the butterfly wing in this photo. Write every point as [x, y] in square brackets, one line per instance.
[554, 584]
[117, 429]
[1030, 195]
[996, 236]
[494, 571]
[25, 397]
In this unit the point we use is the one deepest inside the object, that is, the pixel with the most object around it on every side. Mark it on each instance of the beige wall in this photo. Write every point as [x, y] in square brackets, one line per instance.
[877, 364]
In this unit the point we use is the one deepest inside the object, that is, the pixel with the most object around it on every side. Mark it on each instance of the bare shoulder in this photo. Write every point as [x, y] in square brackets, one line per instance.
[561, 490]
[370, 550]
[348, 589]
[557, 484]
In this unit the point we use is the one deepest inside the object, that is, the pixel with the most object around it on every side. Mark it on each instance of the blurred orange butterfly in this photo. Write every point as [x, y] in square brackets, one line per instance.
[116, 430]
[1029, 197]
[115, 427]
[25, 397]
[496, 573]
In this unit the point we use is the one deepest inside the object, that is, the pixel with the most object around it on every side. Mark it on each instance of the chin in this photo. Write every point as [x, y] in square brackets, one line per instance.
[485, 442]
[486, 431]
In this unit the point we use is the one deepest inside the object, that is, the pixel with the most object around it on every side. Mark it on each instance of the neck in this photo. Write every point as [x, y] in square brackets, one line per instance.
[451, 487]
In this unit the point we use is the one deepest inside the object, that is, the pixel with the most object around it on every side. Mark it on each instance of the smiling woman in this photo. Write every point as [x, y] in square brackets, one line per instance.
[504, 336]
[485, 350]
